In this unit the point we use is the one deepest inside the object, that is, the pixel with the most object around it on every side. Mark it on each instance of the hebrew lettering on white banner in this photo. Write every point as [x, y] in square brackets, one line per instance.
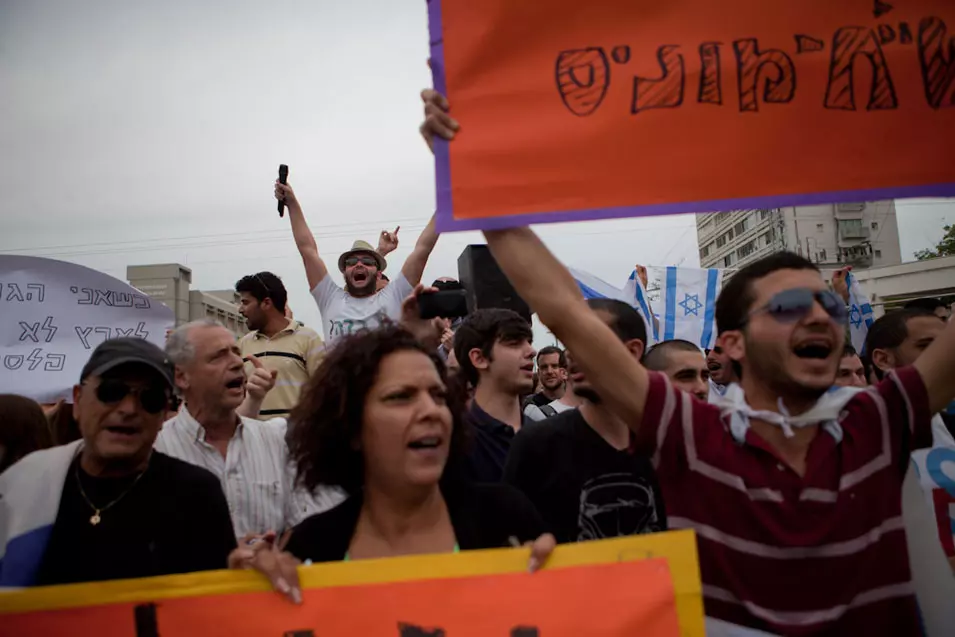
[53, 314]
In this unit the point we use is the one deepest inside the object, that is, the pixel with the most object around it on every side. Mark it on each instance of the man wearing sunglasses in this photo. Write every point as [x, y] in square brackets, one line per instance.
[108, 506]
[360, 304]
[794, 492]
[722, 373]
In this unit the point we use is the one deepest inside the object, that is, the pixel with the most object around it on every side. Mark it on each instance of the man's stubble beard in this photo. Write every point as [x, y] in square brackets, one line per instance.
[772, 373]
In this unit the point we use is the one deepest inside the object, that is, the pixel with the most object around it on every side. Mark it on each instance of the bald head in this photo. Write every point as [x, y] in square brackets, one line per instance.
[683, 363]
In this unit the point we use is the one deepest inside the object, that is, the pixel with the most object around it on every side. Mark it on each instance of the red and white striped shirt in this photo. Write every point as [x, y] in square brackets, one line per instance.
[820, 554]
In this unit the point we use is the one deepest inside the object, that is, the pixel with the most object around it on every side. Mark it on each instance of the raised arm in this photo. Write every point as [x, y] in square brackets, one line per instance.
[414, 264]
[315, 269]
[550, 290]
[937, 367]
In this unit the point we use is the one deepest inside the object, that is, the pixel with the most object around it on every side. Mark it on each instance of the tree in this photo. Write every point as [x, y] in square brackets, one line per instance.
[945, 247]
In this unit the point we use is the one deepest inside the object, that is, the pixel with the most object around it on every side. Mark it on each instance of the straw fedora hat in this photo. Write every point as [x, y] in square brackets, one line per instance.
[362, 247]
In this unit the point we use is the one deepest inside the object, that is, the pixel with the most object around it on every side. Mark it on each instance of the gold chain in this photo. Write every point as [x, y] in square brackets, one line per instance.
[95, 518]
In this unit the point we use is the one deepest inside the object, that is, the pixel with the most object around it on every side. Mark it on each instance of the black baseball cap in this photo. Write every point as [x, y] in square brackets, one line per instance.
[122, 351]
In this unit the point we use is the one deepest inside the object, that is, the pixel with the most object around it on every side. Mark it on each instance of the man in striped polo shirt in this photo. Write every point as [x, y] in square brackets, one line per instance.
[283, 345]
[793, 490]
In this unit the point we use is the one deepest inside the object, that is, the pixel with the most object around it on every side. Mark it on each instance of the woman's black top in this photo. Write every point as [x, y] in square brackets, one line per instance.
[484, 516]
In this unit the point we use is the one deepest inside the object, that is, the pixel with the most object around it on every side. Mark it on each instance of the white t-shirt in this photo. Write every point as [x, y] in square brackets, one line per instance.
[344, 314]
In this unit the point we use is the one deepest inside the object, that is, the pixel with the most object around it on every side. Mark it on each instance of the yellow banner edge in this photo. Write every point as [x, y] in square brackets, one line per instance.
[677, 547]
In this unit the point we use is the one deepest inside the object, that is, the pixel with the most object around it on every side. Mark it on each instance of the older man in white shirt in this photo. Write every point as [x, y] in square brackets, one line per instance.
[250, 457]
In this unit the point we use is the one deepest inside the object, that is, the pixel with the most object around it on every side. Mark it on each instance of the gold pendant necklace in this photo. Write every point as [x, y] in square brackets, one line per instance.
[96, 518]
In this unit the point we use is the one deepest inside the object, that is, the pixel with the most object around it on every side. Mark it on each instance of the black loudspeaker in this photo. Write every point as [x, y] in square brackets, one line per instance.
[486, 285]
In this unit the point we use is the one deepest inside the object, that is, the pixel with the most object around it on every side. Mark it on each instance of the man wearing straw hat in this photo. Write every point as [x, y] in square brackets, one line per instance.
[359, 305]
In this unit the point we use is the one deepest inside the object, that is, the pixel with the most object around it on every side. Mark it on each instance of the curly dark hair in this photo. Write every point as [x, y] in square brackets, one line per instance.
[326, 423]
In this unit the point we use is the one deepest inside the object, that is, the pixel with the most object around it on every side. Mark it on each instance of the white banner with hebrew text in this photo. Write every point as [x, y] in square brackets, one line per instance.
[52, 315]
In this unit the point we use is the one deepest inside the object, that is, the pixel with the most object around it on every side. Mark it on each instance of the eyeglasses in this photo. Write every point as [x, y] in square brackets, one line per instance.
[368, 262]
[153, 399]
[790, 306]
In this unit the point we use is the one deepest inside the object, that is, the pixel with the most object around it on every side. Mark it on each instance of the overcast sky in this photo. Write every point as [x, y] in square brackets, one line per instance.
[138, 132]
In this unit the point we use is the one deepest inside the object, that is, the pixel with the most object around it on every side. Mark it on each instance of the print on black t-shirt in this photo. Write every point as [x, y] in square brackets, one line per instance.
[617, 504]
[584, 488]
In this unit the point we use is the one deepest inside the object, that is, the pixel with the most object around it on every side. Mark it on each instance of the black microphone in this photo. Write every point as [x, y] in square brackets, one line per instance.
[283, 179]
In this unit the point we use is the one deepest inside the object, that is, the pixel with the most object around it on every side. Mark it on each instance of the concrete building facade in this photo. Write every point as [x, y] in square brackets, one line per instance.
[170, 283]
[863, 235]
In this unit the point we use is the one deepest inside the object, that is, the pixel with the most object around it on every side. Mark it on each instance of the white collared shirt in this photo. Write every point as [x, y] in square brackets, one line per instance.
[255, 473]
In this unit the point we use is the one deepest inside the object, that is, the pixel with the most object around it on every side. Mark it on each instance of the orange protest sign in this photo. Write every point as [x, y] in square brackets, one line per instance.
[609, 108]
[648, 585]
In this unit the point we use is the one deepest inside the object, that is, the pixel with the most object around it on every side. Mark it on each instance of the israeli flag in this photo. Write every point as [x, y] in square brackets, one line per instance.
[636, 295]
[861, 315]
[633, 294]
[689, 302]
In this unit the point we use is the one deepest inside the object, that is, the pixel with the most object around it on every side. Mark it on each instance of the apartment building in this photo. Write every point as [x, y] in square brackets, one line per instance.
[864, 235]
[170, 283]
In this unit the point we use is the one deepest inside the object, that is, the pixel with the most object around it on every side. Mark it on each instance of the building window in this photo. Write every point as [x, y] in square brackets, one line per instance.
[875, 225]
[720, 242]
[850, 207]
[705, 252]
[746, 249]
[878, 254]
[728, 260]
[768, 237]
[852, 229]
[740, 227]
[822, 255]
[819, 227]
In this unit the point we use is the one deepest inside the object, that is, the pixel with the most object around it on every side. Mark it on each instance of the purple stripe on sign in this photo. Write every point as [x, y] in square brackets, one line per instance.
[442, 157]
[446, 223]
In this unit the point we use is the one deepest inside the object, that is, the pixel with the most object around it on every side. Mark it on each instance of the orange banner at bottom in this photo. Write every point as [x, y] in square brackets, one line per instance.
[644, 596]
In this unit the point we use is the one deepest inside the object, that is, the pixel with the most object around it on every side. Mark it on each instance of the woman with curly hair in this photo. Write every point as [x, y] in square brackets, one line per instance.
[377, 420]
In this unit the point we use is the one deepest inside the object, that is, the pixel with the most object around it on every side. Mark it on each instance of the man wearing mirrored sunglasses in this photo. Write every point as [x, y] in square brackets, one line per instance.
[793, 490]
[108, 506]
[360, 304]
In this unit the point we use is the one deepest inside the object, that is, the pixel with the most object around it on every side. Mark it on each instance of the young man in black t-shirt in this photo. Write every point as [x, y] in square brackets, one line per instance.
[495, 351]
[109, 506]
[575, 467]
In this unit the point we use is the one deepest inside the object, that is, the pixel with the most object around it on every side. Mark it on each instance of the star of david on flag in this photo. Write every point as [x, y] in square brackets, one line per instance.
[861, 315]
[689, 305]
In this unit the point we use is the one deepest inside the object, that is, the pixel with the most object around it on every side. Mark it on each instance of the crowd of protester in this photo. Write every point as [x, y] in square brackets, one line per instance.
[387, 434]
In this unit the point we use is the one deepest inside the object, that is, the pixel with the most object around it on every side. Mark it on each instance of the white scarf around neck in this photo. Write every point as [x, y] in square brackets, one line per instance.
[825, 412]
